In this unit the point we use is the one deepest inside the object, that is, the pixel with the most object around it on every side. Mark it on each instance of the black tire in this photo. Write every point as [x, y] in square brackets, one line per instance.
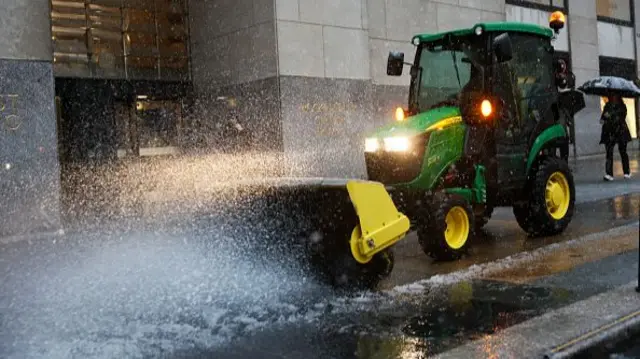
[482, 220]
[535, 216]
[431, 233]
[346, 273]
[333, 263]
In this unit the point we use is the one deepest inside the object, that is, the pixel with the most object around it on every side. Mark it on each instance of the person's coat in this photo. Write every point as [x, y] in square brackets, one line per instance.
[614, 124]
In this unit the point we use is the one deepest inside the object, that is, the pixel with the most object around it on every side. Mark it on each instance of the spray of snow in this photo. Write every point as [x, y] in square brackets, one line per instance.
[142, 295]
[146, 295]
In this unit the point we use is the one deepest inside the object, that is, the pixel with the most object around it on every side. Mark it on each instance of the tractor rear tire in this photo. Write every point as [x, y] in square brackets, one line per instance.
[551, 203]
[447, 231]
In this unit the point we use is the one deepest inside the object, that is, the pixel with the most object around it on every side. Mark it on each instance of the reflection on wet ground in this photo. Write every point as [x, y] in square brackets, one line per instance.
[421, 324]
[440, 322]
[502, 237]
[154, 297]
[440, 319]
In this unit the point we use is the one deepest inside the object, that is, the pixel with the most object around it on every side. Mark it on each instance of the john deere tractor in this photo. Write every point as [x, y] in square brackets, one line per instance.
[485, 126]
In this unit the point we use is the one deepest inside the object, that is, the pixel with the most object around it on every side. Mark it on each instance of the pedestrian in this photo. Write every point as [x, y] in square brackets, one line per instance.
[615, 132]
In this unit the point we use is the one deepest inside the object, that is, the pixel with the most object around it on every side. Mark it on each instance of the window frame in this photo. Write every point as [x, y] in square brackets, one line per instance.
[621, 22]
[538, 6]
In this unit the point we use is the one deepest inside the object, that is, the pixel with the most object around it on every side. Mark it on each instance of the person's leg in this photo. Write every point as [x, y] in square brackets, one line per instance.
[609, 162]
[622, 147]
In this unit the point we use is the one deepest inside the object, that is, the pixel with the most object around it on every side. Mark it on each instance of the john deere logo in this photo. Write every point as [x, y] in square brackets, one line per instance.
[9, 118]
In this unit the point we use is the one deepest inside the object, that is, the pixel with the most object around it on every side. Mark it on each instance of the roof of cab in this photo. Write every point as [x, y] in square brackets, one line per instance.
[491, 26]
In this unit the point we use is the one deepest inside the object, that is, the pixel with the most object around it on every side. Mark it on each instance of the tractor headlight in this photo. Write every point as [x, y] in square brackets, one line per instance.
[396, 144]
[371, 145]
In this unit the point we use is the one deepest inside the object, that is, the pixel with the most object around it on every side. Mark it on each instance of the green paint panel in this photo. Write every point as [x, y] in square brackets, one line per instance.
[480, 185]
[551, 133]
[477, 194]
[444, 148]
[466, 193]
[417, 124]
[491, 27]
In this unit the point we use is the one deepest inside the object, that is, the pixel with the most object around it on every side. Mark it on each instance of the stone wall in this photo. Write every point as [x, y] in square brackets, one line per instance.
[583, 34]
[29, 185]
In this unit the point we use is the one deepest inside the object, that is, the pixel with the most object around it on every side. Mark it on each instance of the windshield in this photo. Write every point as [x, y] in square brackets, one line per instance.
[445, 68]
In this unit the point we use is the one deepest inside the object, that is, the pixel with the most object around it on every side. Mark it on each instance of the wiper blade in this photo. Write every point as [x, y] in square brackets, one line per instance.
[449, 102]
[455, 66]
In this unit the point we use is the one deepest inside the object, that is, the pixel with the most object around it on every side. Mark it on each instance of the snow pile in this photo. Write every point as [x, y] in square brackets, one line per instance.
[486, 269]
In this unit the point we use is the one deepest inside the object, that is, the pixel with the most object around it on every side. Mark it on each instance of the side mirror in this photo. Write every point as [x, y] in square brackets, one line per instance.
[395, 63]
[502, 48]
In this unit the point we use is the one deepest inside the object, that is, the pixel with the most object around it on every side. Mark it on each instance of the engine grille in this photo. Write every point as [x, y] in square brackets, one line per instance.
[397, 167]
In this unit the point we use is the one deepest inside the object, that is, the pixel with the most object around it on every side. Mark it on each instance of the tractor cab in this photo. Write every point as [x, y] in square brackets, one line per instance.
[504, 82]
[485, 125]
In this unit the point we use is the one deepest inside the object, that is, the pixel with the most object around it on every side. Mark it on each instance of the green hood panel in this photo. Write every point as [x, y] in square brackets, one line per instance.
[417, 124]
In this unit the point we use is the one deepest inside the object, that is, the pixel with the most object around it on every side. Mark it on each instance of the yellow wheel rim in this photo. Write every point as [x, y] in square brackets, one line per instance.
[557, 195]
[457, 230]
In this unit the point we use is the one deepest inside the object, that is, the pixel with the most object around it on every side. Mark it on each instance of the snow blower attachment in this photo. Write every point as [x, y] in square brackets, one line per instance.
[381, 225]
[356, 252]
[340, 231]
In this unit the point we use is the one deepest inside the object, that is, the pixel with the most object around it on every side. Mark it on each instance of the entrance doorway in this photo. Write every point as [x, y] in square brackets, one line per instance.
[108, 131]
[625, 68]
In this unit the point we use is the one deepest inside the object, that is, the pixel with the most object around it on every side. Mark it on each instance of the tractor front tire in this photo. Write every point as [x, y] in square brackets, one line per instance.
[484, 217]
[551, 200]
[446, 233]
[347, 273]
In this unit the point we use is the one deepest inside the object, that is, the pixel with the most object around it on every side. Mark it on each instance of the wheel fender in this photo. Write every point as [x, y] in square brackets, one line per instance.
[554, 136]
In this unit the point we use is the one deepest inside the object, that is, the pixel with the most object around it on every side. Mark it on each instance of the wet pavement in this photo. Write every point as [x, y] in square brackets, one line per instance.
[176, 295]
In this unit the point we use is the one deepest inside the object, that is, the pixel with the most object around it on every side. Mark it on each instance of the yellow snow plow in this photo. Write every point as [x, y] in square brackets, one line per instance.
[344, 228]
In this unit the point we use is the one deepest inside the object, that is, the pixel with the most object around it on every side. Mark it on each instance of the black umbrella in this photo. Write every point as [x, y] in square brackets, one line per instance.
[610, 85]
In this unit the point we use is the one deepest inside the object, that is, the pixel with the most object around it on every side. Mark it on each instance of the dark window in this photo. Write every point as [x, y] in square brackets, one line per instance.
[611, 66]
[525, 84]
[532, 61]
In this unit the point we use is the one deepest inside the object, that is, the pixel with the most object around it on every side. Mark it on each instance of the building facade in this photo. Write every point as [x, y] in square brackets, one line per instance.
[102, 96]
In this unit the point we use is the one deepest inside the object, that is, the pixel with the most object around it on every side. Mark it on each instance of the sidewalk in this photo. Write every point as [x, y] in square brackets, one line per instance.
[555, 332]
[599, 320]
[591, 169]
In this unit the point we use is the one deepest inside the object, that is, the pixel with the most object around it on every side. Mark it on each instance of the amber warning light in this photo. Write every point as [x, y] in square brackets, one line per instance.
[557, 20]
[399, 114]
[486, 108]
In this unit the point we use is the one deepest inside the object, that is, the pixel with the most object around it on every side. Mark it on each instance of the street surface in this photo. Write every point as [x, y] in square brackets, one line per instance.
[193, 293]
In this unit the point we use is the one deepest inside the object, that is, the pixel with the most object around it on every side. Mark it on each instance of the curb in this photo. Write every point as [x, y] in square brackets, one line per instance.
[31, 236]
[608, 334]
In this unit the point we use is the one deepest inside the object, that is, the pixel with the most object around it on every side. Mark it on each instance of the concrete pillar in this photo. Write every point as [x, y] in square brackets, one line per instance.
[583, 35]
[324, 78]
[636, 33]
[29, 170]
[234, 55]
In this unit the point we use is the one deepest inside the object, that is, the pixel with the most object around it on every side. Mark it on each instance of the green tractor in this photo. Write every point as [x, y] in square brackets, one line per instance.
[486, 126]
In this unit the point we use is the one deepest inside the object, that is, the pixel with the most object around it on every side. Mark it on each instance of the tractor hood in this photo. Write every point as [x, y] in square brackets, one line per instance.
[417, 124]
